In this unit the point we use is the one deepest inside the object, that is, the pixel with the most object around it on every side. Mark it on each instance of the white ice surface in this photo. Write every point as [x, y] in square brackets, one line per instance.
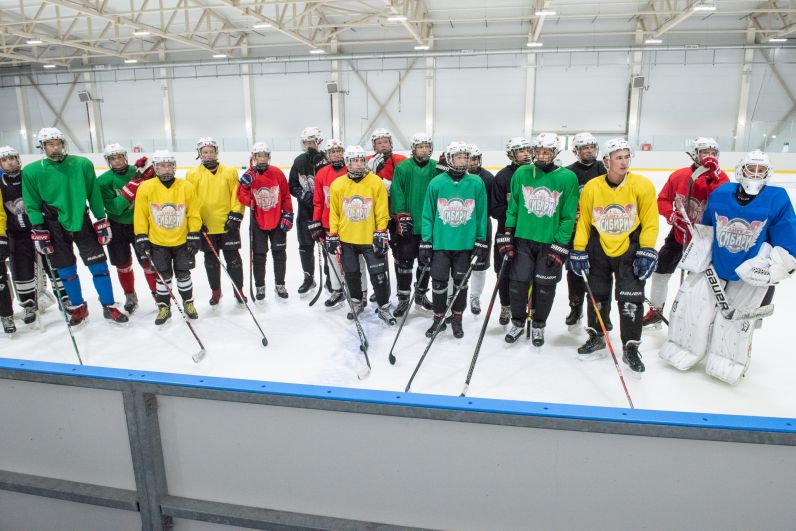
[316, 346]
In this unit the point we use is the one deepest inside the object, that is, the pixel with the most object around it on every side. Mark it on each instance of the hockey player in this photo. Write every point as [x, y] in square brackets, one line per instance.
[383, 161]
[689, 188]
[453, 229]
[264, 187]
[302, 187]
[118, 187]
[55, 190]
[358, 218]
[586, 167]
[335, 154]
[539, 221]
[167, 224]
[615, 237]
[6, 311]
[518, 150]
[20, 246]
[408, 193]
[480, 269]
[216, 185]
[749, 234]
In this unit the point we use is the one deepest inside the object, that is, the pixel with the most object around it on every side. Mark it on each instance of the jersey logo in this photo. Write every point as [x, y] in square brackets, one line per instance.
[357, 208]
[614, 219]
[455, 211]
[168, 216]
[540, 201]
[17, 208]
[695, 208]
[327, 195]
[307, 182]
[266, 197]
[737, 234]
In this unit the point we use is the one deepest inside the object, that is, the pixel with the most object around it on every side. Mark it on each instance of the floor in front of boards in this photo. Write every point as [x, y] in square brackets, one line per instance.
[318, 346]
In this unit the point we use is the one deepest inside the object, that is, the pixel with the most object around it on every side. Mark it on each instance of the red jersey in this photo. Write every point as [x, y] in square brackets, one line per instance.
[323, 184]
[271, 197]
[388, 168]
[675, 193]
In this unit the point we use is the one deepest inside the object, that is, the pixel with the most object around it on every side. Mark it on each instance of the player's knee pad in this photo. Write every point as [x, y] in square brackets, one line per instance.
[404, 266]
[126, 267]
[439, 286]
[690, 324]
[233, 259]
[379, 279]
[99, 269]
[211, 262]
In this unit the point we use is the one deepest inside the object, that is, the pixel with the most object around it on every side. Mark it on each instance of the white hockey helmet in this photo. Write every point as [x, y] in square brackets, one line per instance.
[754, 171]
[49, 133]
[455, 148]
[113, 149]
[310, 134]
[352, 153]
[547, 141]
[421, 138]
[584, 139]
[260, 147]
[205, 141]
[615, 144]
[8, 151]
[700, 143]
[380, 133]
[475, 152]
[333, 143]
[163, 155]
[515, 144]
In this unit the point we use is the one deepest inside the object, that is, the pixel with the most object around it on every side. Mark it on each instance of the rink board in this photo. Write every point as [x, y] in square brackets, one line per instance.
[98, 448]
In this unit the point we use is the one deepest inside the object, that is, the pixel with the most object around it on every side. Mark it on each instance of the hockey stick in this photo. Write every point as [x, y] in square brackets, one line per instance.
[423, 271]
[439, 325]
[483, 327]
[199, 356]
[657, 310]
[235, 288]
[320, 275]
[252, 221]
[727, 311]
[607, 339]
[694, 176]
[529, 317]
[59, 299]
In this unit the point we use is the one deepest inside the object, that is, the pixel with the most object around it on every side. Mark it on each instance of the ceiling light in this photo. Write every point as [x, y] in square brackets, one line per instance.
[396, 18]
[653, 41]
[777, 39]
[704, 7]
[422, 47]
[49, 66]
[141, 33]
[131, 61]
[534, 44]
[35, 41]
[317, 51]
[545, 13]
[219, 56]
[262, 25]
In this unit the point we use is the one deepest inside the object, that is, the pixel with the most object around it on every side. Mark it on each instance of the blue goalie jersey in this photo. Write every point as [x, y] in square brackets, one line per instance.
[739, 231]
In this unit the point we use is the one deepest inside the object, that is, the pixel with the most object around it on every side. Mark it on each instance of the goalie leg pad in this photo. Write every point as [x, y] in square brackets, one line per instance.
[729, 352]
[690, 324]
[698, 254]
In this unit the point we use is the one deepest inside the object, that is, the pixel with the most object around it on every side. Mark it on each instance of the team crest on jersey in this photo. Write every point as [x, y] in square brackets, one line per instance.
[17, 208]
[540, 201]
[267, 197]
[357, 208]
[327, 193]
[168, 215]
[614, 219]
[695, 208]
[306, 181]
[455, 211]
[737, 234]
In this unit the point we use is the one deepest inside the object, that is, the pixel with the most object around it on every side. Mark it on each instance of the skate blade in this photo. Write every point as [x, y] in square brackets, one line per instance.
[633, 375]
[653, 326]
[11, 335]
[593, 356]
[118, 324]
[199, 356]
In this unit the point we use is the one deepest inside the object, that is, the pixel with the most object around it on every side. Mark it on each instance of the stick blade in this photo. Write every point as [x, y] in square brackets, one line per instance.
[199, 356]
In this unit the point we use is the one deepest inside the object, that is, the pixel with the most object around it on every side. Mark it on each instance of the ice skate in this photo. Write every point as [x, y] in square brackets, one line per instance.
[130, 302]
[537, 335]
[384, 314]
[594, 348]
[215, 297]
[281, 291]
[259, 293]
[112, 313]
[403, 306]
[164, 314]
[652, 319]
[456, 325]
[632, 357]
[422, 302]
[505, 315]
[439, 320]
[307, 285]
[190, 309]
[358, 307]
[475, 305]
[573, 319]
[8, 325]
[78, 315]
[515, 333]
[335, 300]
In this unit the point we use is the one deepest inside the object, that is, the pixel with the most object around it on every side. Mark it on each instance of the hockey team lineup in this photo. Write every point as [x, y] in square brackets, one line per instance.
[427, 236]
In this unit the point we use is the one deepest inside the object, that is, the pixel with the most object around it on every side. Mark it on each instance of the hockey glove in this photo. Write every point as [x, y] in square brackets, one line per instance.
[755, 271]
[144, 168]
[579, 262]
[556, 256]
[387, 185]
[712, 167]
[316, 230]
[233, 221]
[41, 239]
[4, 253]
[375, 163]
[645, 262]
[381, 243]
[142, 245]
[405, 224]
[246, 179]
[332, 243]
[481, 252]
[505, 245]
[130, 189]
[678, 221]
[307, 198]
[424, 253]
[102, 228]
[193, 242]
[286, 221]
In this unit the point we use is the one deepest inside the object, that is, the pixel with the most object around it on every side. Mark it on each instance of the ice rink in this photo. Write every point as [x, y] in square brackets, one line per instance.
[317, 346]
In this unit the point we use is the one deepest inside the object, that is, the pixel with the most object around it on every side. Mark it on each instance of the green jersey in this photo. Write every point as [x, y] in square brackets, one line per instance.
[63, 186]
[408, 190]
[542, 206]
[117, 207]
[454, 215]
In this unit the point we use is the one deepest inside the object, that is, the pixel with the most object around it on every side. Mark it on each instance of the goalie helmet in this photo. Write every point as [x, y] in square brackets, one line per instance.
[456, 148]
[113, 149]
[700, 143]
[616, 144]
[380, 133]
[754, 171]
[260, 147]
[515, 144]
[547, 141]
[310, 134]
[355, 152]
[49, 133]
[8, 151]
[584, 139]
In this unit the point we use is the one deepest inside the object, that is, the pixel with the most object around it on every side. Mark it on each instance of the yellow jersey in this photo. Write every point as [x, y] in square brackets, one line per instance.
[218, 192]
[3, 217]
[167, 215]
[358, 209]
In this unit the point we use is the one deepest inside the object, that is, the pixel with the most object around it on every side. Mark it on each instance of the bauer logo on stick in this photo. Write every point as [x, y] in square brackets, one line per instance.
[737, 234]
[267, 197]
[540, 201]
[614, 219]
[357, 208]
[455, 212]
[168, 216]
